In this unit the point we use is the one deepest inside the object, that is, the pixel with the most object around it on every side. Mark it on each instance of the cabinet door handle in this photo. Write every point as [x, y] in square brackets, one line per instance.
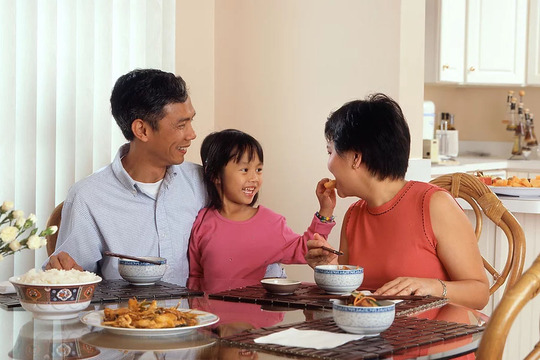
[472, 68]
[446, 67]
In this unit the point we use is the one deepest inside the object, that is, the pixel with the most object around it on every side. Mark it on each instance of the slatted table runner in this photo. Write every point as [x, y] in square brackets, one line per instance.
[310, 296]
[404, 334]
[120, 290]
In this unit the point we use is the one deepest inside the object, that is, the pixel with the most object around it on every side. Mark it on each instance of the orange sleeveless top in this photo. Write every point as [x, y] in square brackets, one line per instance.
[395, 239]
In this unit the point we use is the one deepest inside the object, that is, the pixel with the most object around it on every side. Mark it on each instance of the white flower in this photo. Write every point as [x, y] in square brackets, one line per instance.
[7, 205]
[42, 241]
[34, 242]
[15, 245]
[8, 234]
[32, 218]
[20, 222]
[17, 214]
[53, 229]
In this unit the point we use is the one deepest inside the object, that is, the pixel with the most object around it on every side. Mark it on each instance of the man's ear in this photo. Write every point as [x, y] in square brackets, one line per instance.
[140, 129]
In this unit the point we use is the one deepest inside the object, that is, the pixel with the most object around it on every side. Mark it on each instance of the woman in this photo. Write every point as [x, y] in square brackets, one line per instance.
[410, 237]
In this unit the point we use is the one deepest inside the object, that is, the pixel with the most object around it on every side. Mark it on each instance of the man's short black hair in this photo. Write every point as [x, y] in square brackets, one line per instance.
[143, 94]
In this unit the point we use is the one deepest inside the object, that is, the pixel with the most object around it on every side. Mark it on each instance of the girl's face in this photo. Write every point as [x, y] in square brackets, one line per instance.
[341, 167]
[241, 181]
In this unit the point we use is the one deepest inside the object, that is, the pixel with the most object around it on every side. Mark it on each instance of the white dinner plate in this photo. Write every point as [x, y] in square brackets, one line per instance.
[516, 191]
[105, 340]
[95, 318]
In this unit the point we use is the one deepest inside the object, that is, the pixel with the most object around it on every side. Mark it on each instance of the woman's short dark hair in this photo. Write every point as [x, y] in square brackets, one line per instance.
[376, 129]
[217, 150]
[143, 94]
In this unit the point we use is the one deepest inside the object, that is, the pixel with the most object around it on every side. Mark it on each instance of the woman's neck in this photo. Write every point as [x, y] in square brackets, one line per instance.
[382, 191]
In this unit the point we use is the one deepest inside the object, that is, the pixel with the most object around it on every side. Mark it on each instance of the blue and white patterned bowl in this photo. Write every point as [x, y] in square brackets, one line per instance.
[339, 279]
[55, 301]
[364, 320]
[142, 273]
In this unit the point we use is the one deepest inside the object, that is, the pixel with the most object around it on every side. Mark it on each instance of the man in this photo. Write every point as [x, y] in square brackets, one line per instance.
[145, 202]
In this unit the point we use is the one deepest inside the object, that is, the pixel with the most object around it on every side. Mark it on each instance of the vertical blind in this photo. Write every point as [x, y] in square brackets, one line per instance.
[58, 63]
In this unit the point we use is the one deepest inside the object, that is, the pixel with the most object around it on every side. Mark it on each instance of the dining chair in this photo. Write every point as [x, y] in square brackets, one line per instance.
[54, 219]
[482, 199]
[513, 300]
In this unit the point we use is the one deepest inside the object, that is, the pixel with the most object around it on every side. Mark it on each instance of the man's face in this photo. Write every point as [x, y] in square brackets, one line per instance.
[168, 144]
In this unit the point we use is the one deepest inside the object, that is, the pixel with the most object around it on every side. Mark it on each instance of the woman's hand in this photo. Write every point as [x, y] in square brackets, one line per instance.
[317, 256]
[411, 286]
[326, 197]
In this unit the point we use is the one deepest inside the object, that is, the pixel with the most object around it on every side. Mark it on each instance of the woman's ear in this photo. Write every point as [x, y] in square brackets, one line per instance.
[140, 129]
[357, 160]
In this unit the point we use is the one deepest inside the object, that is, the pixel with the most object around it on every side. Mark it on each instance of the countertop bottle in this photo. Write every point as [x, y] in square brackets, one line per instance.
[512, 120]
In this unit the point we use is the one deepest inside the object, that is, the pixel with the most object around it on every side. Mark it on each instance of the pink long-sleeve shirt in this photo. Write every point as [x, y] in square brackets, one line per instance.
[220, 248]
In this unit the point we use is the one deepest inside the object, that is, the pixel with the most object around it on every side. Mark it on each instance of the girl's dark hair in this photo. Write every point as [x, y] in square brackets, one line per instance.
[376, 129]
[217, 150]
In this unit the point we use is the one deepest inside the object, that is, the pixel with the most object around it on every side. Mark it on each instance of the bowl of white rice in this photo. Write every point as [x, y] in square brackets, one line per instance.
[55, 294]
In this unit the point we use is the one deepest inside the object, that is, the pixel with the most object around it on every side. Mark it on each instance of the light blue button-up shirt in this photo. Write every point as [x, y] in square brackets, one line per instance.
[107, 211]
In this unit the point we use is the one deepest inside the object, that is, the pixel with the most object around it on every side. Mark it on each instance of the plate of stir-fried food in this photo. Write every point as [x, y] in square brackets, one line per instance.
[146, 318]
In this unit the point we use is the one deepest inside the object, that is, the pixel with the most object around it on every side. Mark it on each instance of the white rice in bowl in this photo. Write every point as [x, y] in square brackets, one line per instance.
[55, 276]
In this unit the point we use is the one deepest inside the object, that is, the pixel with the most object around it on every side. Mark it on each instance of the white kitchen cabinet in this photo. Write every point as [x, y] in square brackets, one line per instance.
[445, 44]
[476, 41]
[533, 68]
[496, 42]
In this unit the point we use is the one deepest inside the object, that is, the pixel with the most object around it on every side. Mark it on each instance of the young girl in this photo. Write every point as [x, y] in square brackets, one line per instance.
[232, 238]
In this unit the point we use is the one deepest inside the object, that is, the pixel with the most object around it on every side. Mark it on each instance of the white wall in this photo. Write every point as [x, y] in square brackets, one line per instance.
[280, 67]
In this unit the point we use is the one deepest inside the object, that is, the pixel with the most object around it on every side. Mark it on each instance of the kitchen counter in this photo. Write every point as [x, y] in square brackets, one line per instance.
[472, 164]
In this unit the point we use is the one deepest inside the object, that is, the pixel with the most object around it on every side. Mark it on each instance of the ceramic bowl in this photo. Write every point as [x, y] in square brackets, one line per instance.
[279, 286]
[43, 339]
[338, 279]
[142, 273]
[55, 301]
[364, 320]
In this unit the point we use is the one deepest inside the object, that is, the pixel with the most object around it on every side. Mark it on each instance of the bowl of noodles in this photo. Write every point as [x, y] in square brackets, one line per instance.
[55, 294]
[338, 279]
[363, 314]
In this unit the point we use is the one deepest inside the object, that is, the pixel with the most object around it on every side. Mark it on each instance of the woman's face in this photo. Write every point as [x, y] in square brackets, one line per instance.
[342, 168]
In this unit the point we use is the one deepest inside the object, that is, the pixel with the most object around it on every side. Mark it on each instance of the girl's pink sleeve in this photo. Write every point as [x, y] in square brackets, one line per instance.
[295, 246]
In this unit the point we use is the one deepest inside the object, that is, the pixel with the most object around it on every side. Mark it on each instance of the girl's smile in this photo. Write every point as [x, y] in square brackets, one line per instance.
[240, 181]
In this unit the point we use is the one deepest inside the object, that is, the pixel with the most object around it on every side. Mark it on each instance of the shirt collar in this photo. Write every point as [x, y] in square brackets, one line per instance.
[126, 180]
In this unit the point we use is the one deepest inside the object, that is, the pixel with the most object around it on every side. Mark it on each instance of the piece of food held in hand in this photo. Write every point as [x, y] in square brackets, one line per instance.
[147, 315]
[331, 184]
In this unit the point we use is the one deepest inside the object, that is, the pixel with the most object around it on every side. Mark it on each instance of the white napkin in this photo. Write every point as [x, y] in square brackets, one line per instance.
[314, 339]
[6, 287]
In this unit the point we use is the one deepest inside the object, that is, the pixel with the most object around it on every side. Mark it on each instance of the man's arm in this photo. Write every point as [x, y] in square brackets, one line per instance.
[78, 245]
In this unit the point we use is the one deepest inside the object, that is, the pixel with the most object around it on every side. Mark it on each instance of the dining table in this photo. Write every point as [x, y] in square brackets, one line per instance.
[237, 313]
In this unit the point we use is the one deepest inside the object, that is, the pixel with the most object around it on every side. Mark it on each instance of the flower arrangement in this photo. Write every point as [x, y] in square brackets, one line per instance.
[12, 238]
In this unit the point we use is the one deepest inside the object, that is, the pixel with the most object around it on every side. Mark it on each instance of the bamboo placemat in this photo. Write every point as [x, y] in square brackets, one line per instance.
[405, 333]
[120, 290]
[310, 296]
